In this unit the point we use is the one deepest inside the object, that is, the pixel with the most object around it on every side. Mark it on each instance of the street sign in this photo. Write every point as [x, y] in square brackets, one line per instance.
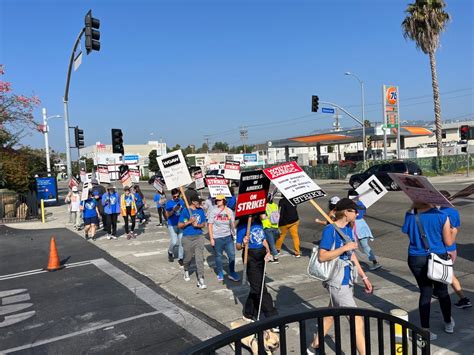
[327, 110]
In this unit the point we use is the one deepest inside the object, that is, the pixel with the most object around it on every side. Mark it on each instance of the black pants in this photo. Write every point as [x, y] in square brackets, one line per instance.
[140, 213]
[255, 265]
[161, 213]
[419, 268]
[125, 219]
[111, 222]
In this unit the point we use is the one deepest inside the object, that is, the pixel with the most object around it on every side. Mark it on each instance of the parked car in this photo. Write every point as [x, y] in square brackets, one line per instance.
[381, 172]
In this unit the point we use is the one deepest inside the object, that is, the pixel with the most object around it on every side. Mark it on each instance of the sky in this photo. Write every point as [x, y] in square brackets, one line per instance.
[181, 70]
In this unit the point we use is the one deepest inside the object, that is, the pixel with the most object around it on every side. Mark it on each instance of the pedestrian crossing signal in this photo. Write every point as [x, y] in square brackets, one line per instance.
[314, 103]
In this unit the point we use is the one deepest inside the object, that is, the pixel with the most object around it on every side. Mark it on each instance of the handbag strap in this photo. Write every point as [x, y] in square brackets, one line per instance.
[424, 240]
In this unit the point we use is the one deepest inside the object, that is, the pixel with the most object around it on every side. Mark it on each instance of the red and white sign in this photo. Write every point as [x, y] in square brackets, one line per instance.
[125, 178]
[232, 170]
[103, 172]
[294, 183]
[73, 182]
[217, 186]
[83, 176]
[135, 175]
[253, 190]
[159, 185]
[419, 189]
[199, 180]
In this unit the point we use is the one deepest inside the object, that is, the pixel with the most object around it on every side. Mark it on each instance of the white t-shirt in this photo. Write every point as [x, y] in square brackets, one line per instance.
[75, 202]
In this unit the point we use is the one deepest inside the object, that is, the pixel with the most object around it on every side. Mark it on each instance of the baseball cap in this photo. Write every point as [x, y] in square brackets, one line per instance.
[347, 204]
[111, 187]
[196, 198]
[220, 197]
[334, 200]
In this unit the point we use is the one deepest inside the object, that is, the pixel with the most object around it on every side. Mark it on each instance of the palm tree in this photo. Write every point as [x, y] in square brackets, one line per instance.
[425, 21]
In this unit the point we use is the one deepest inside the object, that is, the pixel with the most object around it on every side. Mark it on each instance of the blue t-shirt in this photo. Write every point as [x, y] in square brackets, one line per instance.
[157, 199]
[231, 202]
[138, 199]
[361, 213]
[128, 200]
[200, 216]
[329, 237]
[111, 203]
[174, 219]
[89, 208]
[455, 221]
[257, 235]
[432, 221]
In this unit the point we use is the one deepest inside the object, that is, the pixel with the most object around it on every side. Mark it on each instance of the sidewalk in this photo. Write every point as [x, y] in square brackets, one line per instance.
[440, 179]
[291, 289]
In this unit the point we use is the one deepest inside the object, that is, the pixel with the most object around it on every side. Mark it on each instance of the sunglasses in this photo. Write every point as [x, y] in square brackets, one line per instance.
[175, 196]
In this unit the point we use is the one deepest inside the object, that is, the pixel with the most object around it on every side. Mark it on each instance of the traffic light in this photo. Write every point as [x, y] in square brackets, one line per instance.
[368, 142]
[79, 137]
[465, 133]
[92, 35]
[314, 103]
[117, 141]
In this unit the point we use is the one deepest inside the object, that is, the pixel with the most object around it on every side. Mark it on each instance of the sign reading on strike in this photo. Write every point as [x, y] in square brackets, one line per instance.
[371, 191]
[232, 170]
[217, 186]
[174, 169]
[419, 189]
[199, 179]
[253, 189]
[294, 183]
[103, 172]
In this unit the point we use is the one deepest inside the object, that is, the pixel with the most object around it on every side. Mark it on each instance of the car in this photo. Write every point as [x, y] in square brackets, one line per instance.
[381, 172]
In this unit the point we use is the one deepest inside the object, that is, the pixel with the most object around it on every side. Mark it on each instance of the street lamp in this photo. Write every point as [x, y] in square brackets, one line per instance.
[363, 109]
[46, 142]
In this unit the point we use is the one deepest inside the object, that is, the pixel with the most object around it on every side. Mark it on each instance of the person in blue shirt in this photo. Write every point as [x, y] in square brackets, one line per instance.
[192, 221]
[90, 214]
[455, 222]
[174, 208]
[340, 286]
[160, 201]
[258, 254]
[437, 229]
[111, 203]
[362, 231]
[141, 203]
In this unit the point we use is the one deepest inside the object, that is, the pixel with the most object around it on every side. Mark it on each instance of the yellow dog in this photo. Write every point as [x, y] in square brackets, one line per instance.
[271, 340]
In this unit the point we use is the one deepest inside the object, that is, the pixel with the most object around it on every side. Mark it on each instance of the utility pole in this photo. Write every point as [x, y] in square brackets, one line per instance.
[46, 142]
[206, 138]
[244, 135]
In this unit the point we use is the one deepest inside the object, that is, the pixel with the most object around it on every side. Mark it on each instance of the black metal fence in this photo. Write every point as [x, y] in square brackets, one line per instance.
[18, 207]
[384, 340]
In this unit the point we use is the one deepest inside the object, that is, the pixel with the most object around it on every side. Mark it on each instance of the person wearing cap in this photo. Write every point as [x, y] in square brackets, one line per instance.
[174, 208]
[341, 284]
[289, 222]
[111, 203]
[270, 226]
[128, 209]
[363, 232]
[331, 206]
[90, 214]
[192, 221]
[73, 199]
[221, 231]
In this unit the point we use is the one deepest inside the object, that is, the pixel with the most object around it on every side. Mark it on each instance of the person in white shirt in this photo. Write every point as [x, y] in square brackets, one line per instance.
[73, 198]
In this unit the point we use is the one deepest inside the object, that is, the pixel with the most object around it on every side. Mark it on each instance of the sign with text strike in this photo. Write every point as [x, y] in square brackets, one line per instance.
[253, 190]
[174, 169]
[232, 170]
[217, 186]
[294, 183]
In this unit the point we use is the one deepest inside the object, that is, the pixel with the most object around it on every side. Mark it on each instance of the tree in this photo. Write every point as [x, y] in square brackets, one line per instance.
[16, 114]
[240, 148]
[204, 148]
[152, 163]
[220, 147]
[424, 24]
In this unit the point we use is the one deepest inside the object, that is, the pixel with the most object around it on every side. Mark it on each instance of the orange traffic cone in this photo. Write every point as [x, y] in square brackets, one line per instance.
[53, 263]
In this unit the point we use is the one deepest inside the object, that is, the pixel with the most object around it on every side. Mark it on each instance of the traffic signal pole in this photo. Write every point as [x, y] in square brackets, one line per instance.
[65, 101]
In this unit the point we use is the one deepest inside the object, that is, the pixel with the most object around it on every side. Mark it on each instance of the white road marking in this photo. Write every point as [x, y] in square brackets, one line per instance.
[158, 252]
[12, 292]
[16, 318]
[12, 308]
[39, 271]
[16, 299]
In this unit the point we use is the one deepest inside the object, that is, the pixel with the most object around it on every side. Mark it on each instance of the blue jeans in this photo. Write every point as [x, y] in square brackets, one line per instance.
[227, 244]
[176, 236]
[364, 245]
[272, 234]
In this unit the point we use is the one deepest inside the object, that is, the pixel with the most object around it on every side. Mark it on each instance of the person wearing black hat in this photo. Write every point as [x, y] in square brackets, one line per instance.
[341, 283]
[192, 220]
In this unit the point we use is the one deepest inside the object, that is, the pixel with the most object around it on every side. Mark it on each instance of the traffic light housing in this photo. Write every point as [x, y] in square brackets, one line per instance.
[79, 137]
[465, 132]
[314, 103]
[117, 141]
[91, 33]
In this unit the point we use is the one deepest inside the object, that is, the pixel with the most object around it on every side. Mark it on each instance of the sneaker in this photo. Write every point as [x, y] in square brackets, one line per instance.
[86, 236]
[129, 236]
[186, 276]
[274, 260]
[109, 236]
[312, 351]
[180, 262]
[170, 257]
[113, 237]
[201, 284]
[463, 303]
[93, 238]
[220, 277]
[449, 327]
[375, 266]
[134, 235]
[248, 319]
[233, 276]
[297, 255]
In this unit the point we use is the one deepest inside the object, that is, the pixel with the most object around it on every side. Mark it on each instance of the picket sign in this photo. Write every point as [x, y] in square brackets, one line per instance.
[85, 191]
[174, 169]
[371, 191]
[217, 186]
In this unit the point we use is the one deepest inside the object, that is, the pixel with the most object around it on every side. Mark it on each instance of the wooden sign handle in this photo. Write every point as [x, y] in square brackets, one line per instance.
[185, 201]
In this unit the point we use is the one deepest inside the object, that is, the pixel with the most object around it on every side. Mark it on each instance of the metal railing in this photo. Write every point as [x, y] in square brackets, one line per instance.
[18, 207]
[397, 343]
